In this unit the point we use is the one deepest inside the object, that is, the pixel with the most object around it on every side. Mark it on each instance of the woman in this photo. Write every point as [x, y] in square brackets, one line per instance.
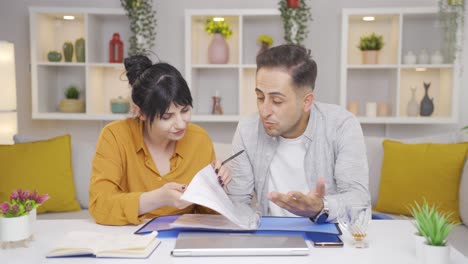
[143, 164]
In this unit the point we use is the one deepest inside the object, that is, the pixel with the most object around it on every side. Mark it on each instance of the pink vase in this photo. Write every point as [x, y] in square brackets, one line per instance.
[218, 51]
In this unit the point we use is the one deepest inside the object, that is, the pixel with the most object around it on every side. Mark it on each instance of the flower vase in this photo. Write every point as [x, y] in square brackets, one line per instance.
[14, 229]
[263, 47]
[412, 109]
[370, 57]
[218, 50]
[427, 104]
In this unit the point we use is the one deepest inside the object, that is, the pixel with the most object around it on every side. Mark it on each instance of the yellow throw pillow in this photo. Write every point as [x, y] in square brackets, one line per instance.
[414, 172]
[42, 165]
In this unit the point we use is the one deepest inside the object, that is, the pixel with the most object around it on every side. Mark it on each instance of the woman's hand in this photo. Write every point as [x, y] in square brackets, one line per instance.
[223, 173]
[168, 195]
[172, 192]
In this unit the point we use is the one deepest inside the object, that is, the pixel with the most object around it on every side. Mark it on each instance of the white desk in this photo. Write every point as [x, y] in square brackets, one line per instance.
[390, 242]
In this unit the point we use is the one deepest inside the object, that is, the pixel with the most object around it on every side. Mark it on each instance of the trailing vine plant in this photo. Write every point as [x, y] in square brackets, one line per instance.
[142, 24]
[295, 20]
[451, 17]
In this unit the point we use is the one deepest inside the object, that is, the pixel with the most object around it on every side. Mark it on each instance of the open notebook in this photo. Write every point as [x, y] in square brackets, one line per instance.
[101, 245]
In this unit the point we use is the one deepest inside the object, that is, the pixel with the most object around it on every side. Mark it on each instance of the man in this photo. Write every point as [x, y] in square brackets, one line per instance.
[302, 157]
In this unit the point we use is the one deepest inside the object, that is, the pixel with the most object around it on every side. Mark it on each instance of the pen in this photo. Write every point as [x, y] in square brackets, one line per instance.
[230, 158]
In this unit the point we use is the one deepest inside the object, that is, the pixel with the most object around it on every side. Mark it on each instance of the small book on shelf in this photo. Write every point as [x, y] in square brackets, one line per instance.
[99, 245]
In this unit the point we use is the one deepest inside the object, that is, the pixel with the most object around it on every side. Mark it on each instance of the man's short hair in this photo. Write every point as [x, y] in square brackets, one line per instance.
[294, 59]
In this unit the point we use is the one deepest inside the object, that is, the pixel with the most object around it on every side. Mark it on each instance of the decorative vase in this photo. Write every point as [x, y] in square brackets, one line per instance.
[409, 58]
[383, 109]
[412, 109]
[293, 3]
[437, 58]
[435, 254]
[370, 56]
[263, 47]
[68, 51]
[54, 56]
[427, 104]
[371, 109]
[80, 50]
[120, 105]
[72, 106]
[115, 49]
[423, 57]
[218, 50]
[353, 107]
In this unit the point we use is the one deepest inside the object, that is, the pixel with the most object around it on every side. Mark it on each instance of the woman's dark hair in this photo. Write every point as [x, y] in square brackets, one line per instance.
[156, 86]
[295, 59]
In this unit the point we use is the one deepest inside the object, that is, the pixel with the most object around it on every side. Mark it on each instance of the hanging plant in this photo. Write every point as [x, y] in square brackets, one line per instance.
[142, 24]
[451, 17]
[295, 15]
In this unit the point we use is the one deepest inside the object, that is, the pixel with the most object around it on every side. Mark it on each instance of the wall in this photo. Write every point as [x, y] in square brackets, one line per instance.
[324, 41]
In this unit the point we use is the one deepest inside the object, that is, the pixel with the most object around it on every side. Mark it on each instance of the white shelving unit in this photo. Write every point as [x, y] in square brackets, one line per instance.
[234, 81]
[97, 80]
[389, 81]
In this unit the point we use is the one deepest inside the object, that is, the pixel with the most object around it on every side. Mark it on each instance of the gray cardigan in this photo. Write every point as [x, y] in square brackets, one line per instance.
[335, 151]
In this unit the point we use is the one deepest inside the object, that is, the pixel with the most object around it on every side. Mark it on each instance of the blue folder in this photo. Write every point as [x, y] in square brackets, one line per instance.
[269, 225]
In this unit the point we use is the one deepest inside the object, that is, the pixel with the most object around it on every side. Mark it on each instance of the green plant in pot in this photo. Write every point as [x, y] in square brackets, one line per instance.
[295, 18]
[266, 41]
[72, 103]
[370, 45]
[451, 19]
[434, 226]
[142, 24]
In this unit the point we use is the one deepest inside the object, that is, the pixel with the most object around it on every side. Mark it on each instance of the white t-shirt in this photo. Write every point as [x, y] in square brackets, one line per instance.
[287, 171]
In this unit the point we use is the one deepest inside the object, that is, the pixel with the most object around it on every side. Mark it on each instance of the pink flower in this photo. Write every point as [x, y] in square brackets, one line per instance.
[15, 194]
[24, 195]
[14, 209]
[4, 207]
[42, 198]
[34, 195]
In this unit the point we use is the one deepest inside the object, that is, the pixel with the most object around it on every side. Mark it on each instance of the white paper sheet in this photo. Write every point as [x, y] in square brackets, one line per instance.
[205, 190]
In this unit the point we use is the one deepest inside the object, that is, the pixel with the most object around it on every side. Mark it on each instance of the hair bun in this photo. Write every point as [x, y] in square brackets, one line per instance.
[135, 66]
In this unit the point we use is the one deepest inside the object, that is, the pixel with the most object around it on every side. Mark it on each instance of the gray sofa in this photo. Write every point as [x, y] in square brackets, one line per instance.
[83, 152]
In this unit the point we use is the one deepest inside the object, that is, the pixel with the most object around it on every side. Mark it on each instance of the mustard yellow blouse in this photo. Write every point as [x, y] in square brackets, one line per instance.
[123, 169]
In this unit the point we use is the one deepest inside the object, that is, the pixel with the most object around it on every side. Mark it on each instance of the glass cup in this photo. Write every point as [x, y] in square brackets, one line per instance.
[355, 218]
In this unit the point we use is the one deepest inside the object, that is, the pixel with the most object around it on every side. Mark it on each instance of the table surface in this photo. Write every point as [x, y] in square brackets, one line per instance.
[390, 241]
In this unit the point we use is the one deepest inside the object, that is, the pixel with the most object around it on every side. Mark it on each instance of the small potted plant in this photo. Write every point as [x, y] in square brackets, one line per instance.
[265, 42]
[18, 215]
[295, 15]
[434, 226]
[370, 45]
[72, 103]
[218, 50]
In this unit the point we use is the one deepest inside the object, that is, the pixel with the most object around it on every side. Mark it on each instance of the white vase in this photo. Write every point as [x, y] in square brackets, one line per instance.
[418, 246]
[32, 221]
[437, 58]
[14, 229]
[412, 108]
[371, 109]
[409, 58]
[218, 50]
[423, 57]
[435, 254]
